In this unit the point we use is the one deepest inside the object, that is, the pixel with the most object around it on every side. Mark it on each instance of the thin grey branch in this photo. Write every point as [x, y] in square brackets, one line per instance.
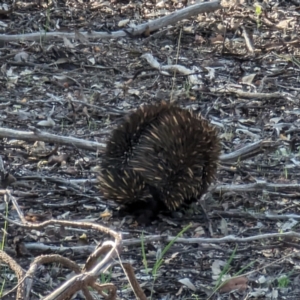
[153, 25]
[50, 138]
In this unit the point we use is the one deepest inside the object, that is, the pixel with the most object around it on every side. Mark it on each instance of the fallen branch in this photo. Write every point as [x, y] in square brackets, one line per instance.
[225, 239]
[133, 282]
[202, 241]
[256, 216]
[256, 187]
[19, 274]
[192, 75]
[85, 277]
[81, 280]
[250, 151]
[38, 135]
[55, 258]
[153, 25]
[247, 95]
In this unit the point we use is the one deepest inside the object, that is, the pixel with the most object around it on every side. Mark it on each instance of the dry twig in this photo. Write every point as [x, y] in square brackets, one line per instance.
[250, 151]
[19, 273]
[85, 277]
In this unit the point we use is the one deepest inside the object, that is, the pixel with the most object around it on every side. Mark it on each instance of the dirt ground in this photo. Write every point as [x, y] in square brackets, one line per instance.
[245, 63]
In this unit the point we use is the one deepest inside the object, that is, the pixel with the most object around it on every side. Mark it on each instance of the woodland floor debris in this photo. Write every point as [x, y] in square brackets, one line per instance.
[245, 68]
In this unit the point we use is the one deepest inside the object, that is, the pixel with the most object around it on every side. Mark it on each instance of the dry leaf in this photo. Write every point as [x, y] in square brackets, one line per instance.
[284, 24]
[67, 43]
[54, 159]
[189, 29]
[106, 214]
[283, 137]
[123, 23]
[211, 73]
[187, 283]
[217, 265]
[217, 40]
[34, 217]
[199, 39]
[289, 225]
[64, 80]
[92, 60]
[21, 56]
[5, 10]
[248, 78]
[224, 227]
[83, 240]
[174, 255]
[47, 123]
[39, 146]
[160, 4]
[239, 284]
[61, 61]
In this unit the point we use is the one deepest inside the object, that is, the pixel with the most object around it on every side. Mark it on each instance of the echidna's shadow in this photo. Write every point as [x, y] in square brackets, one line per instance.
[147, 210]
[144, 212]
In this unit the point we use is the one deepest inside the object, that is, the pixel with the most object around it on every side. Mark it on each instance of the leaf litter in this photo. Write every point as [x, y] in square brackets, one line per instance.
[244, 66]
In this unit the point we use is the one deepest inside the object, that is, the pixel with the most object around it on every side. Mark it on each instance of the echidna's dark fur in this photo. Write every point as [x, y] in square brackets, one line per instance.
[160, 156]
[124, 139]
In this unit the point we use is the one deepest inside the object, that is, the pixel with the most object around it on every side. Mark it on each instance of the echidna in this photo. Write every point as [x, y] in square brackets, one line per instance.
[161, 156]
